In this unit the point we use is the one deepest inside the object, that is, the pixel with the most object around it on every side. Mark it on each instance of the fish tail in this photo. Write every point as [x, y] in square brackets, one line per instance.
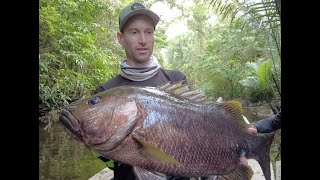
[262, 153]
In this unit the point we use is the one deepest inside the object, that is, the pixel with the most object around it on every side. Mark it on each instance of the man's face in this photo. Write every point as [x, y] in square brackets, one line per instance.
[138, 40]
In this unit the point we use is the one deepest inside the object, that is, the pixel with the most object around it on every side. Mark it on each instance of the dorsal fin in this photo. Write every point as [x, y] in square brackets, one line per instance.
[235, 107]
[184, 91]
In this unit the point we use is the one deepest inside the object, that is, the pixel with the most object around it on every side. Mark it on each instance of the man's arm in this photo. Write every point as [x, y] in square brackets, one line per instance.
[266, 125]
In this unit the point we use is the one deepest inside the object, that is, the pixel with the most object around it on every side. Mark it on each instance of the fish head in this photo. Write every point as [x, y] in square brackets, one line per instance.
[101, 121]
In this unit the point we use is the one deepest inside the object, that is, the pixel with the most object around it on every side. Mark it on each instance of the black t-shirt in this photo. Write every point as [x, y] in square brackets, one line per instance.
[162, 77]
[124, 171]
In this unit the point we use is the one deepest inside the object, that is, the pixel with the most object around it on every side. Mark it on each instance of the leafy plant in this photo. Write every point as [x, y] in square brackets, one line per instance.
[76, 49]
[257, 82]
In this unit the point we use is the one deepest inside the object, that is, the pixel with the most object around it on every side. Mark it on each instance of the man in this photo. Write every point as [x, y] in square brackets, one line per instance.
[140, 68]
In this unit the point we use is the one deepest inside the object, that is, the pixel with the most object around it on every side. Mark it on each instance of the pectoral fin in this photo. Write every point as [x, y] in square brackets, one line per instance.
[152, 152]
[143, 174]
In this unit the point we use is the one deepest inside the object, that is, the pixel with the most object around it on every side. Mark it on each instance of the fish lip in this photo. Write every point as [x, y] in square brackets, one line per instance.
[69, 121]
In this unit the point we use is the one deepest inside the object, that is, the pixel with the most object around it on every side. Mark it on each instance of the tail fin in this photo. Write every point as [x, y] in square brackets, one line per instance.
[261, 153]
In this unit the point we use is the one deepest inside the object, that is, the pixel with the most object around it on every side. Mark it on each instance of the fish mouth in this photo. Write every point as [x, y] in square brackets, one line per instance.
[69, 121]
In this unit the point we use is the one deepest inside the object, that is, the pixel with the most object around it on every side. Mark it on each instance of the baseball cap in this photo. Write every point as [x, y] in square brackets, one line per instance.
[134, 9]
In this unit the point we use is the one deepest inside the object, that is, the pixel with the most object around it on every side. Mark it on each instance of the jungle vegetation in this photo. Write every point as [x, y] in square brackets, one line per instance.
[229, 48]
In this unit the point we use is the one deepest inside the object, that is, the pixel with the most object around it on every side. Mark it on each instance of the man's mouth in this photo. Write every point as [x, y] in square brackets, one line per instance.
[142, 50]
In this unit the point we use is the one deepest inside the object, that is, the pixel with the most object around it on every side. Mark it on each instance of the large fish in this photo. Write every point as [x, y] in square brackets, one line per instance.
[170, 129]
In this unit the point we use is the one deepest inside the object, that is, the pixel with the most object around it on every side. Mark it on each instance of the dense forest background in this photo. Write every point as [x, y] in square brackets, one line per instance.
[228, 48]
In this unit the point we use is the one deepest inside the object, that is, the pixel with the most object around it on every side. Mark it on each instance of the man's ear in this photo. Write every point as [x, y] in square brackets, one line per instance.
[120, 37]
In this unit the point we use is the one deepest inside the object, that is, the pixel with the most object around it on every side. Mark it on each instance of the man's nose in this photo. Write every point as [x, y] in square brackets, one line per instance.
[142, 39]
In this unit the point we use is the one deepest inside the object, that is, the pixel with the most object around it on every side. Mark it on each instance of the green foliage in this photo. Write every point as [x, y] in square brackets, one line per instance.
[257, 82]
[217, 65]
[265, 17]
[76, 48]
[110, 163]
[214, 56]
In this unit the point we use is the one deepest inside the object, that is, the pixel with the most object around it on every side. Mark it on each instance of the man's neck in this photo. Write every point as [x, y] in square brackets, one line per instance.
[138, 64]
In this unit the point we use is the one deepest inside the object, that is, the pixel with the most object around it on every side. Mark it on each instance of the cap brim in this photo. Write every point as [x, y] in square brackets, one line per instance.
[154, 17]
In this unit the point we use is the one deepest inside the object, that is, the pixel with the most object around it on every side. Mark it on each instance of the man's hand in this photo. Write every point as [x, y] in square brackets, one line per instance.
[252, 129]
[243, 160]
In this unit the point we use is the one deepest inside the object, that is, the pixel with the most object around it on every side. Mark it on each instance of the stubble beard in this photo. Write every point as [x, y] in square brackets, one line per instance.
[142, 59]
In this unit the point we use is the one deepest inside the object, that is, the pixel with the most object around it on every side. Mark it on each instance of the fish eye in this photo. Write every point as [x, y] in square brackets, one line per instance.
[94, 100]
